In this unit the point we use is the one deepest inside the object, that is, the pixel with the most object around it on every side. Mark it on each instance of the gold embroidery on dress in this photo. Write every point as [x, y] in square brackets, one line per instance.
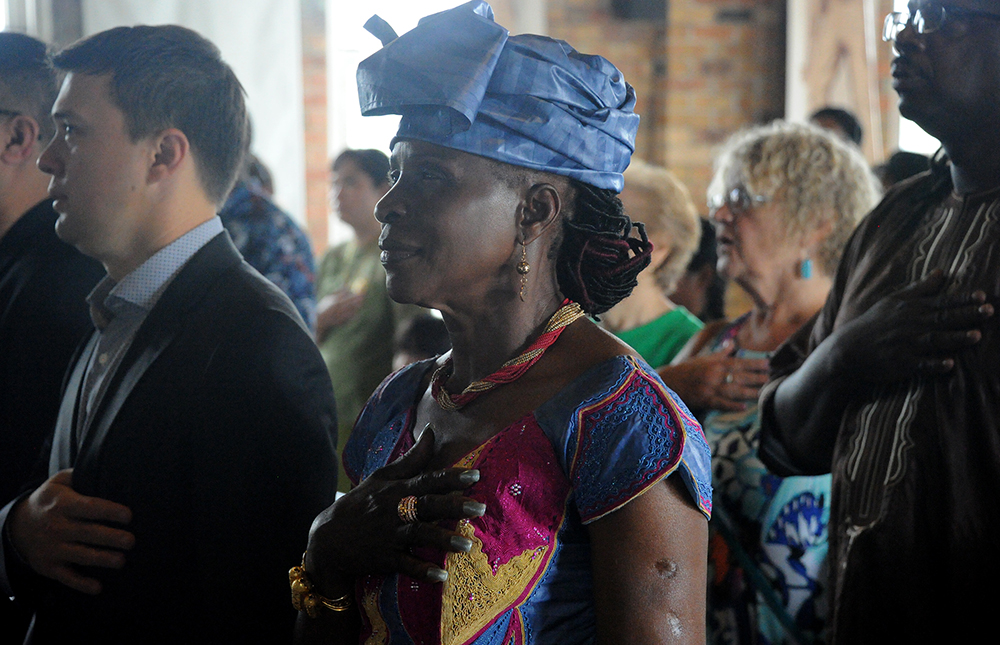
[473, 596]
[380, 631]
[468, 460]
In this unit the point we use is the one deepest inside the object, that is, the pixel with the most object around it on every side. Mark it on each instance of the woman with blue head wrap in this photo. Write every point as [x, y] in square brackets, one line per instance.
[538, 483]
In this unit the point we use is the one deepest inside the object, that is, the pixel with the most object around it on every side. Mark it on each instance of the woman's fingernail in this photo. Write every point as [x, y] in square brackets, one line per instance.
[474, 509]
[469, 477]
[459, 543]
[437, 575]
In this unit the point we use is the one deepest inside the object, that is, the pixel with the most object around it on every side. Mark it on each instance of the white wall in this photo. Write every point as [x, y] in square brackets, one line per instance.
[262, 41]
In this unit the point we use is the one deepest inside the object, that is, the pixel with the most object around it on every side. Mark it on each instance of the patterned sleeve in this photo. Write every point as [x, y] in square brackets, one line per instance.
[292, 266]
[628, 437]
[271, 242]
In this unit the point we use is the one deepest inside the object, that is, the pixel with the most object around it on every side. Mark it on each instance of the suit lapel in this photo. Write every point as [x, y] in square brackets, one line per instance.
[156, 333]
[125, 378]
[64, 441]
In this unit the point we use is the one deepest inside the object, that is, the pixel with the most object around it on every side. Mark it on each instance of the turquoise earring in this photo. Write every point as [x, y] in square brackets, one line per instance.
[806, 269]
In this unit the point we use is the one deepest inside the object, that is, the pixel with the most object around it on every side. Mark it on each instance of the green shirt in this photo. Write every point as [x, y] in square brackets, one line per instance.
[359, 352]
[659, 340]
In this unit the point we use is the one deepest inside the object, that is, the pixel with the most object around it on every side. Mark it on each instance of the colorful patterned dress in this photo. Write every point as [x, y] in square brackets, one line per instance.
[604, 439]
[768, 535]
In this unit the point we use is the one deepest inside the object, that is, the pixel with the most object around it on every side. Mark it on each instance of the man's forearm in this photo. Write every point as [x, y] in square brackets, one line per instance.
[800, 418]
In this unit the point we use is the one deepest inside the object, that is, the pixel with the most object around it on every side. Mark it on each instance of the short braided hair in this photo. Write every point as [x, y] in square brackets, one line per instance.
[598, 259]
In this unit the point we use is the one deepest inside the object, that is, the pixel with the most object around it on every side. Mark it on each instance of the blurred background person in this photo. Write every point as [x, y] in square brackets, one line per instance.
[420, 338]
[269, 239]
[356, 321]
[901, 165]
[784, 199]
[841, 122]
[648, 320]
[259, 175]
[700, 289]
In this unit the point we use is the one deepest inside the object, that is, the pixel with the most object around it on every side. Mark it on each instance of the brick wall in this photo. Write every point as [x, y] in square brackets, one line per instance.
[726, 71]
[714, 67]
[314, 97]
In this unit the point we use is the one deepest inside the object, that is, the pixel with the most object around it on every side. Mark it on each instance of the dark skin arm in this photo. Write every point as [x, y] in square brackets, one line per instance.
[650, 565]
[917, 330]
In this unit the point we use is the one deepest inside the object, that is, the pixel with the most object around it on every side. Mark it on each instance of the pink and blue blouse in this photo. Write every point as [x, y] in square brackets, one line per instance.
[602, 441]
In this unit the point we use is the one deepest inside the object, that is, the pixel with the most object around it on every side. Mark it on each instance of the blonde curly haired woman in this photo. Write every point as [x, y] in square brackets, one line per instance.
[784, 199]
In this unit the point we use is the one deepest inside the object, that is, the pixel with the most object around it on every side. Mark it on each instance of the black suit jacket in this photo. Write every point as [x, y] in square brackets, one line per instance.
[44, 283]
[218, 431]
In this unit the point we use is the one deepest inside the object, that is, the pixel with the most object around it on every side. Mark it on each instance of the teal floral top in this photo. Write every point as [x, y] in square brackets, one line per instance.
[768, 535]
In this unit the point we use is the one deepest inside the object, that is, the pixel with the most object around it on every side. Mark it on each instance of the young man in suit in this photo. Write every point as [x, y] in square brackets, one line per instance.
[194, 444]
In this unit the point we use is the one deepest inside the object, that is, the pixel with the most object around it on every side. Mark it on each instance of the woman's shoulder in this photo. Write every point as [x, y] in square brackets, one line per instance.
[619, 430]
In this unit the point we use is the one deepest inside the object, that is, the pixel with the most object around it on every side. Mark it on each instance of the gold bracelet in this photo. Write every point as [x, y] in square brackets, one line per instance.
[305, 599]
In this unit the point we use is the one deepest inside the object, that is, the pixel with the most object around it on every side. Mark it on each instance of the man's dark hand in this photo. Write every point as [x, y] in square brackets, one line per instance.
[916, 330]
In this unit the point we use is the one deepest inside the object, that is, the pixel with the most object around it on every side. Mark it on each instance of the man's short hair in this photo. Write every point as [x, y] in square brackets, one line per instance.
[27, 81]
[171, 77]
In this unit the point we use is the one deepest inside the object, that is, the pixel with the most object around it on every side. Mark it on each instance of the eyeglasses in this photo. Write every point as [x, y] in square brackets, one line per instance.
[931, 17]
[738, 200]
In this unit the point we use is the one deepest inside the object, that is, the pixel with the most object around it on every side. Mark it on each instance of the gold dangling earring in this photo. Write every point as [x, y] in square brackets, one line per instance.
[523, 268]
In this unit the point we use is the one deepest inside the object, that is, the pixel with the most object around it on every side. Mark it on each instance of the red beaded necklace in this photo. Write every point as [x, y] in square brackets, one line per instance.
[509, 371]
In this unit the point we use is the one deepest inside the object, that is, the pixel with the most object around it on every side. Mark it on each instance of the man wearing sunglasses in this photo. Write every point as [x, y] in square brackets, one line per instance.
[894, 387]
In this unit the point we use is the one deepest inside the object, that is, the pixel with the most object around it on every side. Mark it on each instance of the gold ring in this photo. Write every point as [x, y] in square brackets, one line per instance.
[407, 509]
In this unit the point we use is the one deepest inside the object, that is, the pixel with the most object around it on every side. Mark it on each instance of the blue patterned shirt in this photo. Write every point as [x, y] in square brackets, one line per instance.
[273, 244]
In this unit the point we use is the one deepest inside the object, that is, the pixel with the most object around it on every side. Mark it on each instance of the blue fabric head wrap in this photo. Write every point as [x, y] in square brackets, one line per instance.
[459, 81]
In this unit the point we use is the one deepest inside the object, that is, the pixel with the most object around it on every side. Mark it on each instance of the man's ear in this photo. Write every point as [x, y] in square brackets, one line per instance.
[541, 206]
[20, 143]
[170, 149]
